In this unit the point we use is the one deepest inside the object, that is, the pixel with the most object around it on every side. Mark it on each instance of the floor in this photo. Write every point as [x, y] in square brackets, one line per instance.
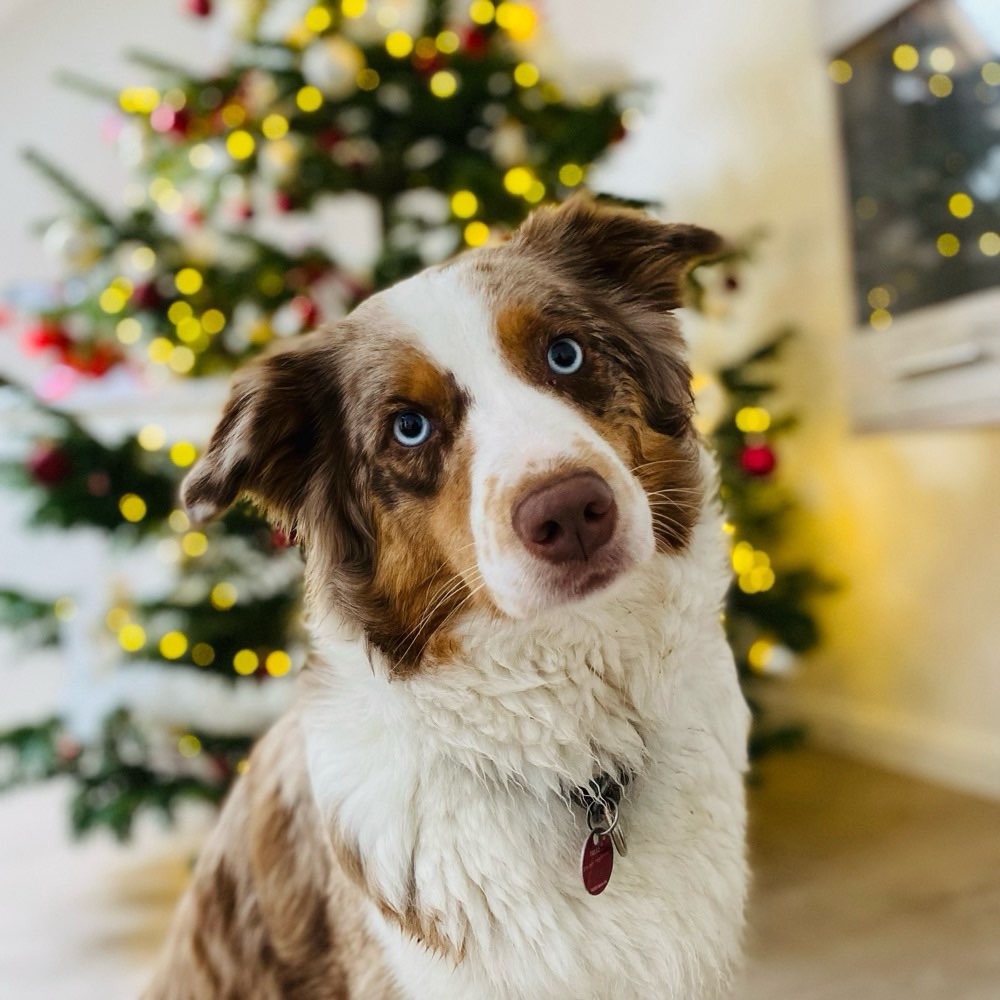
[869, 886]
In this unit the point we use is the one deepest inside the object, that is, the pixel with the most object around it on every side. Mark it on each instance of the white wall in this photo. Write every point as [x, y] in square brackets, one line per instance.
[740, 132]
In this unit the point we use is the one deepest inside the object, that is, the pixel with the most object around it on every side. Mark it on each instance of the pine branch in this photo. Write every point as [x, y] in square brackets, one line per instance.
[60, 179]
[160, 64]
[87, 86]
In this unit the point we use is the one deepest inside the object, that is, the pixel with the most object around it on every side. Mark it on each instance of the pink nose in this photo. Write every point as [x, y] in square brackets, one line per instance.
[567, 520]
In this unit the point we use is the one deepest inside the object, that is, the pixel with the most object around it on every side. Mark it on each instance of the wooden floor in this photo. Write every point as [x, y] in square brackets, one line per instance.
[868, 887]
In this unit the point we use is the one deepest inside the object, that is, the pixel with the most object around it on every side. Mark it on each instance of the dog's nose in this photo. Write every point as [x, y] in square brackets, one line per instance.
[567, 520]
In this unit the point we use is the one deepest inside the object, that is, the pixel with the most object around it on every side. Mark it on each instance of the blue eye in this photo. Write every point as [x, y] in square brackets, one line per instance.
[565, 356]
[411, 428]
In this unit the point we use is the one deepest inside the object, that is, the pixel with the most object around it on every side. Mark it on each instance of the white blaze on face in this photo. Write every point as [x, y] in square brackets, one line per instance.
[521, 435]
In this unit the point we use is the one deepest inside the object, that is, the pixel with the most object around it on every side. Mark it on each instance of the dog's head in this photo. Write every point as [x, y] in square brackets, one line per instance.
[509, 431]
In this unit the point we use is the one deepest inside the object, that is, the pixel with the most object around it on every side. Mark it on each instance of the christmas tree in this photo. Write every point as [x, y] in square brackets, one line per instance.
[442, 120]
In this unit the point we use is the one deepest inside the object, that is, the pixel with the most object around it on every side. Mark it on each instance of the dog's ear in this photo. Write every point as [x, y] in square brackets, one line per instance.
[266, 441]
[624, 251]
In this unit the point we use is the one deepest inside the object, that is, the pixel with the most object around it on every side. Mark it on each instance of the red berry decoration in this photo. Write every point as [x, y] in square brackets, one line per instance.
[49, 464]
[44, 336]
[95, 361]
[758, 460]
[200, 8]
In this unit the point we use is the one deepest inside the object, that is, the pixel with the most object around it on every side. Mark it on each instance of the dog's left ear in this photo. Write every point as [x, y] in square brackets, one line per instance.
[622, 250]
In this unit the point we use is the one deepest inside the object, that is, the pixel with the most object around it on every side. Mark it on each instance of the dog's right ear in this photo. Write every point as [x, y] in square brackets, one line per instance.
[265, 443]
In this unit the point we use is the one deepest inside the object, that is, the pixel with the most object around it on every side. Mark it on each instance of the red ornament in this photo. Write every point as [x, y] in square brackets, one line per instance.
[200, 8]
[44, 336]
[49, 464]
[284, 202]
[281, 540]
[307, 309]
[475, 42]
[758, 460]
[146, 296]
[94, 360]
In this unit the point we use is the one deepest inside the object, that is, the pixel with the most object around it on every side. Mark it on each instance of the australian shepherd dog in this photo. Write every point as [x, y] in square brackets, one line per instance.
[515, 767]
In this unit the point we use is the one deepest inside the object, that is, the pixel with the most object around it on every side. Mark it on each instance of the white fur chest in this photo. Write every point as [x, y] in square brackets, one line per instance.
[452, 784]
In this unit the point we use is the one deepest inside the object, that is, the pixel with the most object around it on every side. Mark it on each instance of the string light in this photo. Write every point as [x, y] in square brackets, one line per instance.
[948, 244]
[179, 311]
[243, 766]
[274, 126]
[132, 507]
[128, 330]
[354, 8]
[143, 258]
[753, 419]
[464, 204]
[240, 144]
[879, 297]
[188, 281]
[278, 663]
[476, 234]
[189, 745]
[940, 85]
[570, 174]
[202, 654]
[194, 544]
[131, 637]
[443, 83]
[942, 59]
[759, 655]
[152, 437]
[905, 57]
[183, 454]
[116, 619]
[840, 71]
[138, 100]
[960, 205]
[880, 319]
[482, 12]
[517, 19]
[318, 19]
[213, 321]
[991, 74]
[112, 300]
[367, 79]
[179, 521]
[173, 645]
[309, 99]
[188, 330]
[447, 42]
[989, 244]
[245, 662]
[201, 156]
[233, 115]
[223, 596]
[517, 180]
[398, 44]
[181, 360]
[535, 192]
[526, 74]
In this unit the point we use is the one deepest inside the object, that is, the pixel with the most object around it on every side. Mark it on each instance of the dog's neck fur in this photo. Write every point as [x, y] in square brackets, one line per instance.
[410, 772]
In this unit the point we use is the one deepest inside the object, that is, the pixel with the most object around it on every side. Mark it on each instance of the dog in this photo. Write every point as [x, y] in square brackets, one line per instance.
[515, 768]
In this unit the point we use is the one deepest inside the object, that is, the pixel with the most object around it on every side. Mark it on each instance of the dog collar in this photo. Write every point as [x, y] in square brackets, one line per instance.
[601, 798]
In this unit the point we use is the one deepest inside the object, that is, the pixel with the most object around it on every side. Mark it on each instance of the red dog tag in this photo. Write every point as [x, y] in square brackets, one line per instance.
[596, 862]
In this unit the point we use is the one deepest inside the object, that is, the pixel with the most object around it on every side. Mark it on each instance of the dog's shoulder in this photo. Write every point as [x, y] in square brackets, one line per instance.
[269, 912]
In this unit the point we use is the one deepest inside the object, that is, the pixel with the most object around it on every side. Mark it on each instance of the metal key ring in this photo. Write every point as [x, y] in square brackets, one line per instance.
[611, 815]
